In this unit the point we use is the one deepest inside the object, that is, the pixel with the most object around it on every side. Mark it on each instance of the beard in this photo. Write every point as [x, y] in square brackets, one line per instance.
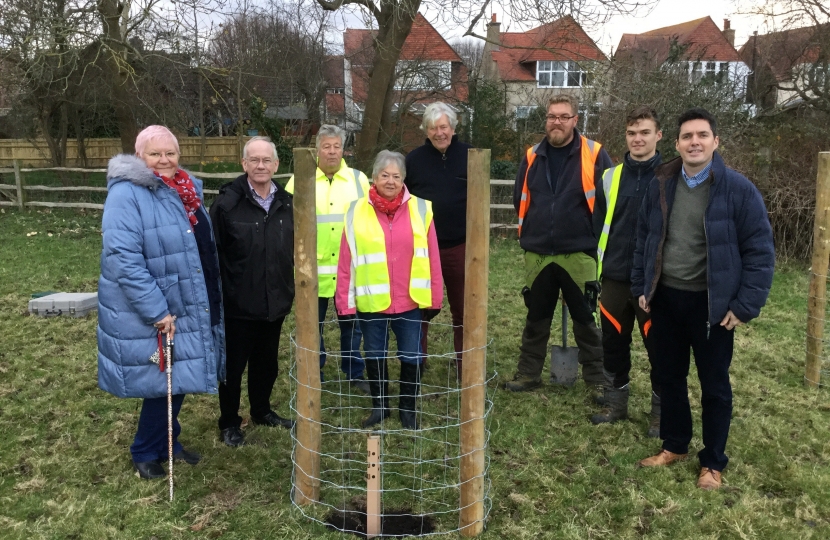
[557, 137]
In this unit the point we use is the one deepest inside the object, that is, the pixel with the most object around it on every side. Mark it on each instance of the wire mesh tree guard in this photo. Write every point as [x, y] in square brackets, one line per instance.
[419, 471]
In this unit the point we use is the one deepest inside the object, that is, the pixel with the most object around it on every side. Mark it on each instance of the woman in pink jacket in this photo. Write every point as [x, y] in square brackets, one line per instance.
[388, 272]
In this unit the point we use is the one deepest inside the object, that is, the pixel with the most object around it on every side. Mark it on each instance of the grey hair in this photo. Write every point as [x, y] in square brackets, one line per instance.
[328, 130]
[385, 157]
[260, 138]
[435, 111]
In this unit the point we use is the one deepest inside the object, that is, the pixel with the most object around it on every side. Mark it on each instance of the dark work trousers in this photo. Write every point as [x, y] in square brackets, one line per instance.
[679, 324]
[255, 344]
[543, 297]
[618, 310]
[150, 441]
[351, 362]
[452, 270]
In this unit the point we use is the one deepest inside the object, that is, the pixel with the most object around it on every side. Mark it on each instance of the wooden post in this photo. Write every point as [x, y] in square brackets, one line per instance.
[307, 461]
[817, 301]
[18, 182]
[373, 496]
[473, 374]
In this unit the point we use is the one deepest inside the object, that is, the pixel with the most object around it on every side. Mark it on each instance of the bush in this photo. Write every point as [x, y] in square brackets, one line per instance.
[504, 170]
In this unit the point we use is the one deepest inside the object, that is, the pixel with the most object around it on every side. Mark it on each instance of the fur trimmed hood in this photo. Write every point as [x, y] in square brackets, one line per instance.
[130, 168]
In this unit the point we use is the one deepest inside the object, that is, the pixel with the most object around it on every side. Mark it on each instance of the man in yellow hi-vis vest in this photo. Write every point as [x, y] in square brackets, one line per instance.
[337, 186]
[560, 214]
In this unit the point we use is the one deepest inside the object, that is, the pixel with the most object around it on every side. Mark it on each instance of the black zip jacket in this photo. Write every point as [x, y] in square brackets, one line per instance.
[622, 239]
[442, 179]
[559, 222]
[256, 252]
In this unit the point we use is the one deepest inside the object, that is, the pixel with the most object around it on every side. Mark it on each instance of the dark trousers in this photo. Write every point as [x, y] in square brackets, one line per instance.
[679, 324]
[150, 441]
[255, 344]
[407, 329]
[351, 362]
[452, 270]
[541, 301]
[618, 310]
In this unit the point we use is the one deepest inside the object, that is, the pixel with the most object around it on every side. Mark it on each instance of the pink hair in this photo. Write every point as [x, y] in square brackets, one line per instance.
[151, 133]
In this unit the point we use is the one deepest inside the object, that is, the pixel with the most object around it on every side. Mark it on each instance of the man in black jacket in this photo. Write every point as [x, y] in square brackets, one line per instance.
[561, 212]
[254, 229]
[624, 187]
[437, 172]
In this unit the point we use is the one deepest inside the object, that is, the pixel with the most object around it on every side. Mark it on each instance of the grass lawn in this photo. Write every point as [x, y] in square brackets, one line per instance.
[64, 452]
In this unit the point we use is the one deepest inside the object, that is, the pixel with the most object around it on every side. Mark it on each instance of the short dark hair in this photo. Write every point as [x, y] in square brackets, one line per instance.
[564, 98]
[643, 112]
[698, 113]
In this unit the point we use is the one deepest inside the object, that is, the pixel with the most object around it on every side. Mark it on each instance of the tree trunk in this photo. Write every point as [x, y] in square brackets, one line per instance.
[120, 81]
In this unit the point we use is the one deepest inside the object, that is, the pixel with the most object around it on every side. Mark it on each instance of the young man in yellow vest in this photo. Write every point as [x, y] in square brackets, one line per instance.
[625, 186]
[337, 186]
[561, 212]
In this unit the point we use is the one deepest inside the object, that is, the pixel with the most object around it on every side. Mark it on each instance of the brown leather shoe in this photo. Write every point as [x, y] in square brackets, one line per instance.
[662, 459]
[709, 479]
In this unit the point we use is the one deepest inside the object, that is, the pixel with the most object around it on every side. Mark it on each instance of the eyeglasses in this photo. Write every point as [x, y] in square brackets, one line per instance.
[266, 162]
[562, 118]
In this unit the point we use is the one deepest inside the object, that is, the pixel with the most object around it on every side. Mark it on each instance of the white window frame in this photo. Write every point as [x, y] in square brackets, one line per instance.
[561, 74]
[423, 75]
[524, 111]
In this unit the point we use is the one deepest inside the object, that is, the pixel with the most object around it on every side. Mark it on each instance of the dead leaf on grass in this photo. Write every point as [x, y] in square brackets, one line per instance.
[29, 486]
[213, 505]
[518, 498]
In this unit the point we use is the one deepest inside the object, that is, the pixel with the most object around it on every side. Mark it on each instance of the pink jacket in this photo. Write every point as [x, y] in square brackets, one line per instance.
[399, 251]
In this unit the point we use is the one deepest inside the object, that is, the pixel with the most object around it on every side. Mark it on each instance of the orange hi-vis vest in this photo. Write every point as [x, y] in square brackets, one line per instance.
[590, 152]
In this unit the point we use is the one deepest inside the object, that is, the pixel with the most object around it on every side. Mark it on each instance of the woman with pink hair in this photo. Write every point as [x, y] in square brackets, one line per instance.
[159, 275]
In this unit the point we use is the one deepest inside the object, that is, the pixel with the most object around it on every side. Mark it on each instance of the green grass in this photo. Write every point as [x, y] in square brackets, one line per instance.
[64, 452]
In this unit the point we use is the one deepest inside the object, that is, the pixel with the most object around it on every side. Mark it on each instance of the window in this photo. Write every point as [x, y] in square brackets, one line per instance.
[716, 71]
[423, 75]
[523, 111]
[589, 118]
[552, 74]
[339, 90]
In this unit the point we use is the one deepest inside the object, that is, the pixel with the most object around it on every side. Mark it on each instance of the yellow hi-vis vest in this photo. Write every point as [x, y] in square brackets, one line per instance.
[611, 187]
[332, 200]
[369, 285]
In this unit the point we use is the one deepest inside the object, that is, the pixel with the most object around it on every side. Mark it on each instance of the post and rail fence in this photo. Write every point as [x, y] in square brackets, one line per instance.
[18, 194]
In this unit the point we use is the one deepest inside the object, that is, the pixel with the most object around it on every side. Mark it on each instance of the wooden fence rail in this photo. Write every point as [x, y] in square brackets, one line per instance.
[18, 193]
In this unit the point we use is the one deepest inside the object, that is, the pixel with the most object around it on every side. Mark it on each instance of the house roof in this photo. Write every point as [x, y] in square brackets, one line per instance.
[423, 43]
[701, 39]
[780, 51]
[563, 39]
[333, 71]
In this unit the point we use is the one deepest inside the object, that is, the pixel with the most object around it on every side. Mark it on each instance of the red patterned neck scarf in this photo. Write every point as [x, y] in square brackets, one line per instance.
[183, 185]
[387, 207]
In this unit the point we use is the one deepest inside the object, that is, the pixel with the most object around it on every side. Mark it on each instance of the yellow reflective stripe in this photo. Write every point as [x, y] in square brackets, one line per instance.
[370, 258]
[328, 270]
[357, 185]
[420, 283]
[330, 218]
[611, 186]
[372, 289]
[421, 252]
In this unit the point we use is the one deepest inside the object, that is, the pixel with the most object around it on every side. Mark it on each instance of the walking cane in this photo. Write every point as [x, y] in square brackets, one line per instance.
[168, 369]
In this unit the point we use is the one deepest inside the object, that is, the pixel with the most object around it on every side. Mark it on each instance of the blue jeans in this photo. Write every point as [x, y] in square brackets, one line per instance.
[351, 362]
[407, 329]
[150, 441]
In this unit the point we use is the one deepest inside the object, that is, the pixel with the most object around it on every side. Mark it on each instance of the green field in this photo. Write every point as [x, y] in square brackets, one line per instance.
[65, 467]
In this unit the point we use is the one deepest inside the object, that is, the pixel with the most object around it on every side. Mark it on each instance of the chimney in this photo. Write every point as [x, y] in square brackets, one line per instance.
[494, 33]
[728, 32]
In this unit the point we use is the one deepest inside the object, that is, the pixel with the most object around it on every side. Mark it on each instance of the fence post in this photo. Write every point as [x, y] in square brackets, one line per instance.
[18, 182]
[473, 373]
[817, 302]
[307, 462]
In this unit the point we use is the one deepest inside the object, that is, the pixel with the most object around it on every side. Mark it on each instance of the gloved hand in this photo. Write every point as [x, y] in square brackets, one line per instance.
[429, 314]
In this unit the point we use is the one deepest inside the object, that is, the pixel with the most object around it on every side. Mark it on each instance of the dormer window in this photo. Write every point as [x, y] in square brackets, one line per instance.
[564, 74]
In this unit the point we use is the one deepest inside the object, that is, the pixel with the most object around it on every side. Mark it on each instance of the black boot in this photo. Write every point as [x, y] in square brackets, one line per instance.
[654, 423]
[600, 396]
[617, 408]
[410, 387]
[379, 388]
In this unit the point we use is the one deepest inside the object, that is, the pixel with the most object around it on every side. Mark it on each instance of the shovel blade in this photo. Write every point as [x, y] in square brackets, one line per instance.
[564, 365]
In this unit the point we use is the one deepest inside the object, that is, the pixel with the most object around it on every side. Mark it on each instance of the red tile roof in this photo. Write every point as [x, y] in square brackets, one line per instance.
[562, 39]
[781, 51]
[701, 38]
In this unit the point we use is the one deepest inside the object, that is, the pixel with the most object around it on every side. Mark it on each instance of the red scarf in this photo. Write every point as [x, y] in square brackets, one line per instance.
[387, 207]
[183, 185]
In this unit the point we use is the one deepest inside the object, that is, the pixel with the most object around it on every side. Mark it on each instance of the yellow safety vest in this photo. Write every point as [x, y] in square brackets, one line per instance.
[333, 199]
[611, 187]
[369, 286]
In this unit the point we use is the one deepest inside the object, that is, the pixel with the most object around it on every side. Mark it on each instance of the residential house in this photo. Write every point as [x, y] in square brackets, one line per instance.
[428, 70]
[699, 47]
[558, 57]
[334, 104]
[780, 64]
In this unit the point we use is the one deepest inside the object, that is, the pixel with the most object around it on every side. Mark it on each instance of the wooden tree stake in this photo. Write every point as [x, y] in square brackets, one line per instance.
[817, 301]
[307, 462]
[18, 182]
[373, 496]
[473, 373]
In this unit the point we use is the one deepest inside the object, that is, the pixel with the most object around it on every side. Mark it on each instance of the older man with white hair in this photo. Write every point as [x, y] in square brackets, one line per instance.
[337, 186]
[437, 172]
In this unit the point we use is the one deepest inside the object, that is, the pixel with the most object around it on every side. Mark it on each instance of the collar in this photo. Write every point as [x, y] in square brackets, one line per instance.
[322, 176]
[697, 179]
[255, 194]
[650, 163]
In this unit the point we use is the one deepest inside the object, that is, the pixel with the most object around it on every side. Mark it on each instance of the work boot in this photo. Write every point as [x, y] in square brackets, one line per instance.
[379, 388]
[600, 396]
[522, 383]
[654, 423]
[617, 408]
[410, 386]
